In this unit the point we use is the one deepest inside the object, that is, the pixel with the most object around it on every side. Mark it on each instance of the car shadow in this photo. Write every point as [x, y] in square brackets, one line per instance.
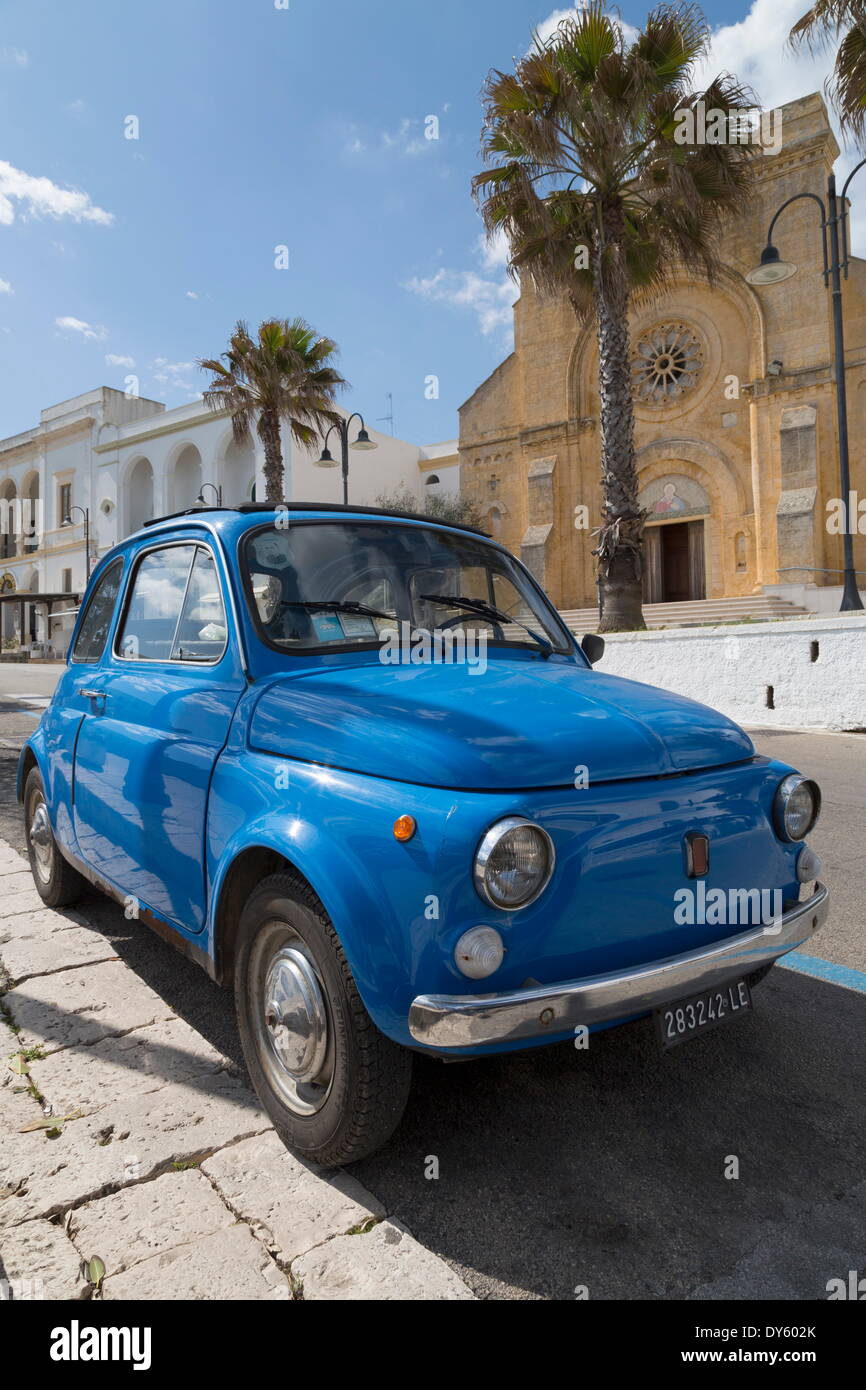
[562, 1171]
[559, 1173]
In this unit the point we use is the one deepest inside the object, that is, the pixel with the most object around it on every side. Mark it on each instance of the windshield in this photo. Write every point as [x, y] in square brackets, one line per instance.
[332, 586]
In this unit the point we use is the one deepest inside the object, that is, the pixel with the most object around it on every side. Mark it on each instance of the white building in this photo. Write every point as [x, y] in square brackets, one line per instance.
[122, 460]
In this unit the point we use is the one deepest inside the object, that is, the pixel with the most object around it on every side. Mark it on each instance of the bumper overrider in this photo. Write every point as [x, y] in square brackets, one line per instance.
[467, 1020]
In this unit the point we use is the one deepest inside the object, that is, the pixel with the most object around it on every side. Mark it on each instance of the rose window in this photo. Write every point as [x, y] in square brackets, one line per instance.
[667, 362]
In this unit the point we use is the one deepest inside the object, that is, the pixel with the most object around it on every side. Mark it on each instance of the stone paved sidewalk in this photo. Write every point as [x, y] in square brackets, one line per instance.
[127, 1137]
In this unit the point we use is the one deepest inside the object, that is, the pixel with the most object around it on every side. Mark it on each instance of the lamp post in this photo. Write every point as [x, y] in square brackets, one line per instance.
[363, 441]
[217, 490]
[771, 270]
[67, 521]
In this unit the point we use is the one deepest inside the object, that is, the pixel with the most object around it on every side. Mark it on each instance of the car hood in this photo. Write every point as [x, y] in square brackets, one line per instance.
[519, 724]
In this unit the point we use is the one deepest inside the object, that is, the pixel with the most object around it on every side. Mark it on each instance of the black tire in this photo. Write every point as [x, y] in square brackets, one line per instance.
[57, 883]
[343, 1098]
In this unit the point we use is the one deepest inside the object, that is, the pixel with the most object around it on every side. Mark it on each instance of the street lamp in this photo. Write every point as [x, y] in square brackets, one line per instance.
[363, 441]
[217, 490]
[67, 521]
[771, 270]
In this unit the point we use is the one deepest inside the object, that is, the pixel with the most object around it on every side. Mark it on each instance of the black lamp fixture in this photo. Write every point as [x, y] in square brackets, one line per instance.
[362, 441]
[217, 490]
[772, 269]
[67, 521]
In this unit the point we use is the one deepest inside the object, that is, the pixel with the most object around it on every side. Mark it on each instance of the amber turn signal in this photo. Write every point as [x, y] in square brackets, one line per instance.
[404, 828]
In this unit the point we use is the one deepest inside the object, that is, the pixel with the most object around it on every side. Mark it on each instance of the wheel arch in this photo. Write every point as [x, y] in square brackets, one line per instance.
[377, 959]
[26, 763]
[244, 873]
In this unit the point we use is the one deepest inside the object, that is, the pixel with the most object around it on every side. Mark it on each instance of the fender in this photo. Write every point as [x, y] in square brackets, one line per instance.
[52, 744]
[336, 829]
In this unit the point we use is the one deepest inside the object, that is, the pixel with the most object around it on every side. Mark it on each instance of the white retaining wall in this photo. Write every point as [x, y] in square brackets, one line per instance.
[731, 668]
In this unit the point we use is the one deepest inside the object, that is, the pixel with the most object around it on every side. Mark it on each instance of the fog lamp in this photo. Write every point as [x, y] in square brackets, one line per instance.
[479, 952]
[809, 865]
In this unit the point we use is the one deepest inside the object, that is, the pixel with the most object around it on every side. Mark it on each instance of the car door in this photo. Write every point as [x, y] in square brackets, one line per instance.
[160, 708]
[61, 721]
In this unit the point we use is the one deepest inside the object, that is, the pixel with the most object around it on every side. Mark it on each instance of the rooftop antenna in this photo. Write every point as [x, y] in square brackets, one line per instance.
[389, 418]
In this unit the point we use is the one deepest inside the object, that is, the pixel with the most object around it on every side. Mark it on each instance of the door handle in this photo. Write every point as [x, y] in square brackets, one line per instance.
[90, 693]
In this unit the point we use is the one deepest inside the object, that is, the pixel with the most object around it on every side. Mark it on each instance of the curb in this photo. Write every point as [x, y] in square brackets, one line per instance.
[131, 1140]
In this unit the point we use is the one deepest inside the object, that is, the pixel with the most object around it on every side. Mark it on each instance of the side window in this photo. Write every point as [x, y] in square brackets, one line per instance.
[152, 614]
[90, 642]
[201, 632]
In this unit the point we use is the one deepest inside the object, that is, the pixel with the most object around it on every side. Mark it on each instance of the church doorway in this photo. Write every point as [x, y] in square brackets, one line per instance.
[674, 562]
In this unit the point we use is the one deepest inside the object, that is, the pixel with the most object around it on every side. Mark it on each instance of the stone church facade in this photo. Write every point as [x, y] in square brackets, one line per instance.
[735, 413]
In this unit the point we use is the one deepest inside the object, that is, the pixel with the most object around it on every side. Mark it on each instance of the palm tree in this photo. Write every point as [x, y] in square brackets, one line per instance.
[285, 374]
[846, 85]
[598, 199]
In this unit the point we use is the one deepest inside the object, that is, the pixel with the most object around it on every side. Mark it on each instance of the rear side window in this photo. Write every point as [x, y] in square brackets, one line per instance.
[93, 633]
[175, 611]
[201, 632]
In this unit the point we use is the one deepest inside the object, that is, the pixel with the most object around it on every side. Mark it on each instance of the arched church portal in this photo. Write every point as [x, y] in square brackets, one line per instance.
[674, 540]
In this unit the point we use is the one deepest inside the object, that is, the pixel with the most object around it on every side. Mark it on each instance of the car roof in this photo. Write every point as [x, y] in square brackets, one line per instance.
[336, 509]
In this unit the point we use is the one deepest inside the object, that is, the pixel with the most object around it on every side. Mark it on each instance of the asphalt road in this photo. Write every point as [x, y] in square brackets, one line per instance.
[605, 1169]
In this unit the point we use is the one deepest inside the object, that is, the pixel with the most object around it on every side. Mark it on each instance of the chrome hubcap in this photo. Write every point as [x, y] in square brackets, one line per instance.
[42, 841]
[294, 1029]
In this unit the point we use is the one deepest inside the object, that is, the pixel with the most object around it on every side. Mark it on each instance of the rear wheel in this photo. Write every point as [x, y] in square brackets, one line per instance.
[57, 883]
[333, 1084]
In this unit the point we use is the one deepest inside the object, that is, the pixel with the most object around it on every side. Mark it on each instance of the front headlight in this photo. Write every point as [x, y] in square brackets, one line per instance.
[513, 863]
[796, 807]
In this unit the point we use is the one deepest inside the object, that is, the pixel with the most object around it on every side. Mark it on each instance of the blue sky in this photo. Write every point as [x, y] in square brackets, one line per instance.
[261, 127]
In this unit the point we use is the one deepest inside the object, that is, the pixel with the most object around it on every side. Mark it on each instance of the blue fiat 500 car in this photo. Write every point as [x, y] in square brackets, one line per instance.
[354, 763]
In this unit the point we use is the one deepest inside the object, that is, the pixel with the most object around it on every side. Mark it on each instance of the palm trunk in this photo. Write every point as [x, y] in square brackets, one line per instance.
[621, 535]
[269, 430]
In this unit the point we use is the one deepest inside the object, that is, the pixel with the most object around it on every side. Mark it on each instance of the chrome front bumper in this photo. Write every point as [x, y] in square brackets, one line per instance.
[467, 1020]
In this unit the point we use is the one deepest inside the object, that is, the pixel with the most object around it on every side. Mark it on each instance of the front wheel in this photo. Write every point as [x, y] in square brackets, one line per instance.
[333, 1084]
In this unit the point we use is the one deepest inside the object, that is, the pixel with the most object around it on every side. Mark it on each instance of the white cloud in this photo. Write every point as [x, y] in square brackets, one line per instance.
[113, 360]
[5, 287]
[15, 57]
[177, 376]
[191, 294]
[92, 331]
[409, 138]
[548, 26]
[77, 106]
[495, 252]
[39, 197]
[353, 144]
[489, 296]
[755, 49]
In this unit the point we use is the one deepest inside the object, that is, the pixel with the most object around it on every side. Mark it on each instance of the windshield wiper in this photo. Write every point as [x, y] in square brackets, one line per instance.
[486, 610]
[323, 605]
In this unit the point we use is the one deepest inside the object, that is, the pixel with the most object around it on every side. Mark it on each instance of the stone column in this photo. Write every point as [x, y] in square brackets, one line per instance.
[798, 543]
[535, 547]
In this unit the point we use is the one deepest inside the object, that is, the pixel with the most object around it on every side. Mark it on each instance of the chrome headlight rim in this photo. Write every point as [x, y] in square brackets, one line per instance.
[489, 840]
[784, 792]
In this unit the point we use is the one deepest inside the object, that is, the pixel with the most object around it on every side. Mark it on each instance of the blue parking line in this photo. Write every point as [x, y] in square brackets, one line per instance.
[826, 970]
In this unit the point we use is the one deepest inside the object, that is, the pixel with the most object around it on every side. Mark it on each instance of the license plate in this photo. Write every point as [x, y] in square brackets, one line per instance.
[686, 1018]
